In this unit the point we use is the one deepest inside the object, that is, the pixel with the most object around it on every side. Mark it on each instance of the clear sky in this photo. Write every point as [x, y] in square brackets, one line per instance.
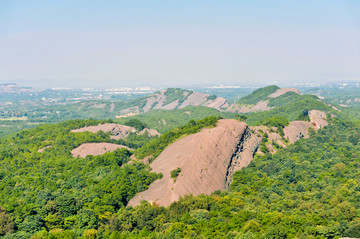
[84, 43]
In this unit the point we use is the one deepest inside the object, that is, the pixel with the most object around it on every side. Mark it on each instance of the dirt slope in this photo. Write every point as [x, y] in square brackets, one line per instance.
[206, 160]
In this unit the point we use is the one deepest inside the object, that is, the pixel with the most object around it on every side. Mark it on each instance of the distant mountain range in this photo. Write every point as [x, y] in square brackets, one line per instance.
[263, 99]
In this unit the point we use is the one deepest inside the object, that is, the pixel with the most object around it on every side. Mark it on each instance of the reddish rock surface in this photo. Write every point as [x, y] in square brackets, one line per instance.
[260, 106]
[205, 159]
[209, 158]
[118, 131]
[294, 131]
[297, 130]
[95, 149]
[318, 117]
[282, 91]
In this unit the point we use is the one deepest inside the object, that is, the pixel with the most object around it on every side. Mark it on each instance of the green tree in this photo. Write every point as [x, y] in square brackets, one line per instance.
[87, 219]
[6, 224]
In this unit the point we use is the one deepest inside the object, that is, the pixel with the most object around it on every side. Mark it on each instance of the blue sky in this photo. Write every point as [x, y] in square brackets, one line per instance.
[178, 43]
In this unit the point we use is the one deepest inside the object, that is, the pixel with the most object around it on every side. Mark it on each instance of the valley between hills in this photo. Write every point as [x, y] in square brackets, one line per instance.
[276, 163]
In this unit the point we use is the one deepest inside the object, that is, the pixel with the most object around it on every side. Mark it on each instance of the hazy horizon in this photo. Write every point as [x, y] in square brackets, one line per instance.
[161, 43]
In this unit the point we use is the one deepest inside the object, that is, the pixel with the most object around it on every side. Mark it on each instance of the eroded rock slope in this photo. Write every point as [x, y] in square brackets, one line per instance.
[118, 131]
[206, 159]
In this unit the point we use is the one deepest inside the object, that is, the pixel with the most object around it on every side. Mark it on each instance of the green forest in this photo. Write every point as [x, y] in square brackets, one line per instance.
[52, 190]
[309, 190]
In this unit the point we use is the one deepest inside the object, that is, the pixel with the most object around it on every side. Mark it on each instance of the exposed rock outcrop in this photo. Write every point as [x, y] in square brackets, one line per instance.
[95, 149]
[207, 161]
[282, 91]
[297, 130]
[149, 132]
[243, 154]
[300, 129]
[196, 98]
[318, 117]
[118, 131]
[292, 132]
[262, 105]
[164, 100]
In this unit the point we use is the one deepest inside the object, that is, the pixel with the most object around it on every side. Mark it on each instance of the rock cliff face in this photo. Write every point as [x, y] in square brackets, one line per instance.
[243, 154]
[206, 159]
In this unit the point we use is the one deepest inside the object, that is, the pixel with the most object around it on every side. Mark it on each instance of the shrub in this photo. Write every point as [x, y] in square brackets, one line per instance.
[137, 124]
[175, 173]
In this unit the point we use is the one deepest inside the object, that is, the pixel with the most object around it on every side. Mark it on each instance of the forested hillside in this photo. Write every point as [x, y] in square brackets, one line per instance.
[43, 187]
[287, 102]
[291, 106]
[309, 190]
[165, 120]
[164, 109]
[18, 113]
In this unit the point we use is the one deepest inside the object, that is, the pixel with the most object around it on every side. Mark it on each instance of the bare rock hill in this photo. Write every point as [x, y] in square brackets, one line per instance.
[259, 100]
[206, 159]
[171, 98]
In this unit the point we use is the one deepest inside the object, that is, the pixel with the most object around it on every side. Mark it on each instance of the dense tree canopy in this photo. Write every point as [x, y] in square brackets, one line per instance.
[53, 190]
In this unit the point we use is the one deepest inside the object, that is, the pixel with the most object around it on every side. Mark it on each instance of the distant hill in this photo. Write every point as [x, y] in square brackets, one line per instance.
[263, 99]
[272, 100]
[168, 99]
[262, 103]
[172, 98]
[164, 120]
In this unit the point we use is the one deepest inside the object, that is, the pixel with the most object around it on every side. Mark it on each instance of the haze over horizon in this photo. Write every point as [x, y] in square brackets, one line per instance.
[167, 43]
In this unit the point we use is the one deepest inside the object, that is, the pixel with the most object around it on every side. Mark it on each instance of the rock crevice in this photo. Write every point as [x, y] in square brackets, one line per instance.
[243, 154]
